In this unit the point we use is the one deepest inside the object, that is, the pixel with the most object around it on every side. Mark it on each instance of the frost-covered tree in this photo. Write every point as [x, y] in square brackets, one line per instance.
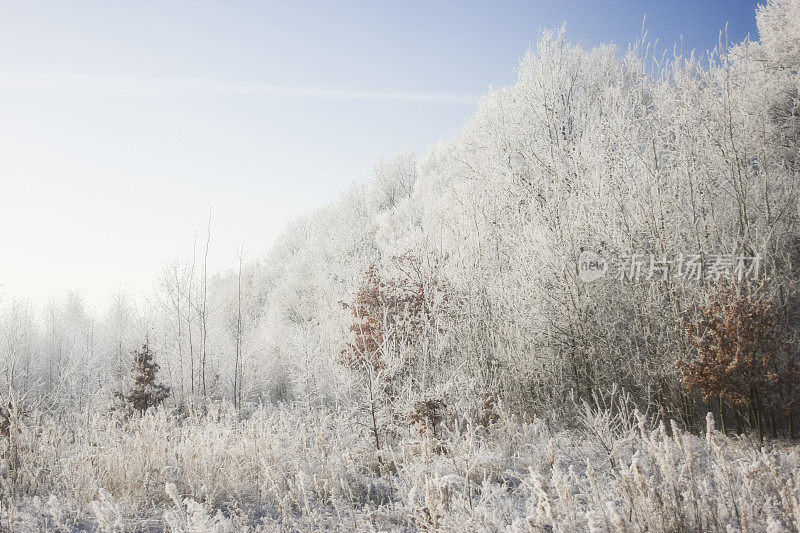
[146, 391]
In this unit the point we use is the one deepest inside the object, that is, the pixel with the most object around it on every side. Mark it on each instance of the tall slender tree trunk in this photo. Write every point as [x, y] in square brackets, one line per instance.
[189, 316]
[237, 374]
[204, 312]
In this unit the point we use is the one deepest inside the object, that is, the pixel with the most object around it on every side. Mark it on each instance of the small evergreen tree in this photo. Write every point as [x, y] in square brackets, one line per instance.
[145, 392]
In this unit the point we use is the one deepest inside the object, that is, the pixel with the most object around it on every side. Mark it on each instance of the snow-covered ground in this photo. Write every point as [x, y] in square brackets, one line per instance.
[302, 468]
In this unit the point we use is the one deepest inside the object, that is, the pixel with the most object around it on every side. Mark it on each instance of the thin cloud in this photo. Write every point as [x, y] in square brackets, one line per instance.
[180, 86]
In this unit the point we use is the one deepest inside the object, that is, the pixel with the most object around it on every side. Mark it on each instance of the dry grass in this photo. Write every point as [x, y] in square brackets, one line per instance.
[299, 469]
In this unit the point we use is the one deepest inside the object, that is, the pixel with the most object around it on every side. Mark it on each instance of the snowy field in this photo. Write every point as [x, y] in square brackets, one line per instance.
[300, 468]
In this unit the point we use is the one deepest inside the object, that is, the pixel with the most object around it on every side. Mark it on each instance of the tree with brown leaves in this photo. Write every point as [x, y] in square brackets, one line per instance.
[741, 352]
[391, 319]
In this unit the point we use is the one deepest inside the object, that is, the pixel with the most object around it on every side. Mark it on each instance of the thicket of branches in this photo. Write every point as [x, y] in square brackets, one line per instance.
[471, 290]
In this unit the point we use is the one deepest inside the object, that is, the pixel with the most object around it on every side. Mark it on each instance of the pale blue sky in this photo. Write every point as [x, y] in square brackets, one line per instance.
[122, 121]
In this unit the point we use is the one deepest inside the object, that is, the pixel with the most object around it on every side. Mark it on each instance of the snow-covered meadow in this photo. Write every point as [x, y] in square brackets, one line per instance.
[303, 468]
